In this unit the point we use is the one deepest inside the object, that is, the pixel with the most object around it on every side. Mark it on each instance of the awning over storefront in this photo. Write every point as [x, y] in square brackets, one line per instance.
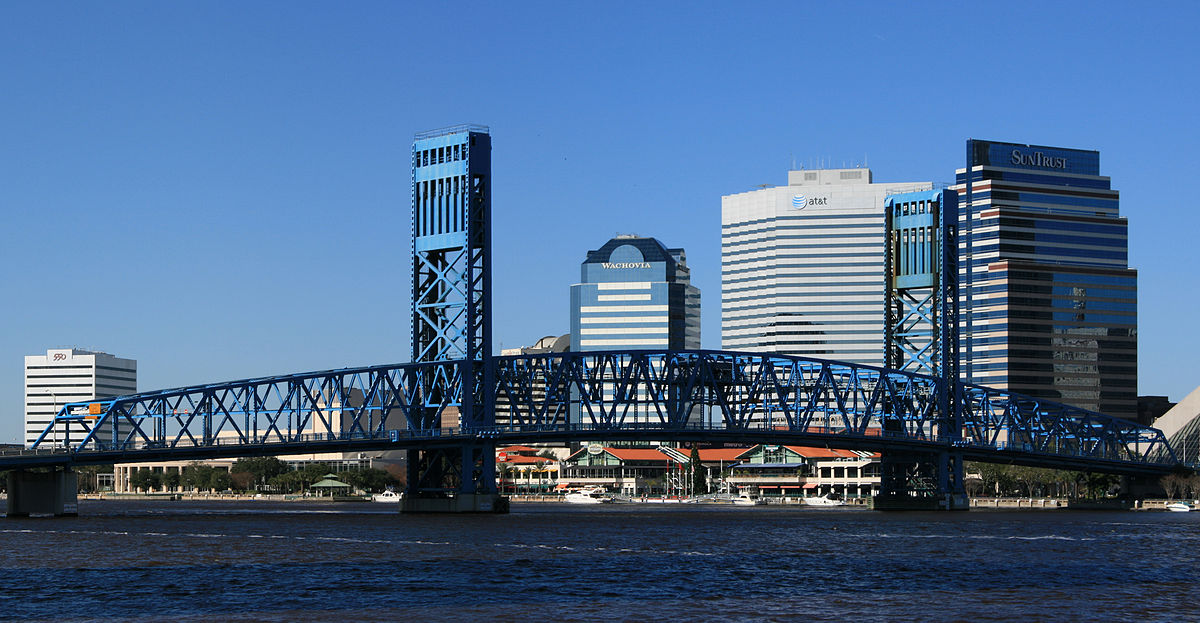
[810, 485]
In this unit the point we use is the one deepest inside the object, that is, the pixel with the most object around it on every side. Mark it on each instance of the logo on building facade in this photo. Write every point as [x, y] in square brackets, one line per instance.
[1038, 159]
[626, 264]
[800, 202]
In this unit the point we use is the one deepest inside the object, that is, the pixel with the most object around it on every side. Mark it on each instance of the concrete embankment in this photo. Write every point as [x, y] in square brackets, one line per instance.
[1113, 504]
[222, 497]
[1019, 503]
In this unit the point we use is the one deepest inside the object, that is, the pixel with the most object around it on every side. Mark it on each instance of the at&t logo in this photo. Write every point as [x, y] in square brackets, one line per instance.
[800, 202]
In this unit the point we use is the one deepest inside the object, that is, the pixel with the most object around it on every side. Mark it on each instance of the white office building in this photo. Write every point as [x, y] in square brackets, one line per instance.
[66, 375]
[802, 266]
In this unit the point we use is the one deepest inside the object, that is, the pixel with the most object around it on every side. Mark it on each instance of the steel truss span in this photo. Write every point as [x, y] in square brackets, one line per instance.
[646, 395]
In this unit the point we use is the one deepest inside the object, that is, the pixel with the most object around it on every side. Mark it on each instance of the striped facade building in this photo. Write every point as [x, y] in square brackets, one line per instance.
[1049, 303]
[635, 294]
[65, 375]
[802, 266]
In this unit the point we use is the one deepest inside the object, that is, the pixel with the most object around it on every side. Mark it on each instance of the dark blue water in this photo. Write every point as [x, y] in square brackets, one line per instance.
[263, 561]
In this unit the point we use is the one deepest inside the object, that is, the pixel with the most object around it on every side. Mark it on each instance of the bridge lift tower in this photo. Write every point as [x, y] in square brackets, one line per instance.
[921, 335]
[451, 318]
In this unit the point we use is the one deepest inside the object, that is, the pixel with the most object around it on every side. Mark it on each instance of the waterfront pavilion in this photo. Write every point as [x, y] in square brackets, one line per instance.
[330, 487]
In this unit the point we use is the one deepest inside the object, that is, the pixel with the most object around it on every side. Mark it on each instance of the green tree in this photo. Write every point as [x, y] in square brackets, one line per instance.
[1171, 483]
[205, 478]
[1098, 485]
[298, 481]
[139, 479]
[997, 479]
[219, 480]
[1193, 486]
[145, 479]
[285, 483]
[242, 481]
[369, 479]
[260, 469]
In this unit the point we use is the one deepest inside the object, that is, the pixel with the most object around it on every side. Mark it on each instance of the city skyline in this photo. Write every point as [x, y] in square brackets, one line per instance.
[219, 199]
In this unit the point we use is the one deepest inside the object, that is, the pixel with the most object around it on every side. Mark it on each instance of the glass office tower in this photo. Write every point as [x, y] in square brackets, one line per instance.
[1049, 303]
[635, 294]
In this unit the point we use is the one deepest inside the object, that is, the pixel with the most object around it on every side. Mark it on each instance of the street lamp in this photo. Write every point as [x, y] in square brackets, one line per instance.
[53, 416]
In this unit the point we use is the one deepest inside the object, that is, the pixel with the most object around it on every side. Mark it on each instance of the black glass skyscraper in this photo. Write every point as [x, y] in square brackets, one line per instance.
[1049, 303]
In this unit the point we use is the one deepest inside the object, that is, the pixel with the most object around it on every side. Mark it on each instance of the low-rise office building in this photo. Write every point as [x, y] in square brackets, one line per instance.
[66, 375]
[802, 471]
[634, 472]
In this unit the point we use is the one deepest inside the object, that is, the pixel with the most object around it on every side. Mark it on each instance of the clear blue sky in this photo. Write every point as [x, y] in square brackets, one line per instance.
[221, 189]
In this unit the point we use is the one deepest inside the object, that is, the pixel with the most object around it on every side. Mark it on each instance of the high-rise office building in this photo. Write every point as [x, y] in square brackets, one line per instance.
[1049, 303]
[65, 375]
[635, 294]
[802, 266]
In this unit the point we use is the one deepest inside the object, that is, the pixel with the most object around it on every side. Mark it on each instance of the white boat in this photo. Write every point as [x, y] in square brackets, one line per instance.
[745, 500]
[387, 496]
[588, 495]
[823, 500]
[1178, 507]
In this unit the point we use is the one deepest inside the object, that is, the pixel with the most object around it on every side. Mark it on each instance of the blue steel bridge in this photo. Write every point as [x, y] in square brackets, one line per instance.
[694, 396]
[455, 401]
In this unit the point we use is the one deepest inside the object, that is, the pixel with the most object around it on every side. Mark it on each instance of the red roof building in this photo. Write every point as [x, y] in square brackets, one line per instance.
[805, 471]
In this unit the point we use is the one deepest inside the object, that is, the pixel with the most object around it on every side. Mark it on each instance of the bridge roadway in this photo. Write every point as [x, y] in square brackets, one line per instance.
[453, 438]
[669, 396]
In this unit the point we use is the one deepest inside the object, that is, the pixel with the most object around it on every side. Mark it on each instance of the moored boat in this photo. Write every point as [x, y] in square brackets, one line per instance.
[1178, 507]
[745, 500]
[588, 495]
[823, 500]
[387, 496]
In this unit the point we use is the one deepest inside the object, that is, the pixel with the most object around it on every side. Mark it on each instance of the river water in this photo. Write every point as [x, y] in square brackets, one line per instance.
[286, 561]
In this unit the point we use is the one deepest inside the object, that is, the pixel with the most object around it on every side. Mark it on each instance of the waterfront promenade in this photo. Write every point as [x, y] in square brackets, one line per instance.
[275, 561]
[976, 503]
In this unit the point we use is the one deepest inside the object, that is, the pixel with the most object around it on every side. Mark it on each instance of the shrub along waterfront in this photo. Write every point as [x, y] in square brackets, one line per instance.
[265, 474]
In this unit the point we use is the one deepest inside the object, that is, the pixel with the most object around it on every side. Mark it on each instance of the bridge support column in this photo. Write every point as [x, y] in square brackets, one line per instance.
[453, 480]
[43, 493]
[921, 481]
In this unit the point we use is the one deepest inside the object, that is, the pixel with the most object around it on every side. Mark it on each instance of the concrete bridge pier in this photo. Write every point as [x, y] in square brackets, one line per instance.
[43, 493]
[453, 480]
[921, 481]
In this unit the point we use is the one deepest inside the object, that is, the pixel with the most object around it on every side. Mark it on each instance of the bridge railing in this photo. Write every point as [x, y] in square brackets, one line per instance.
[627, 393]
